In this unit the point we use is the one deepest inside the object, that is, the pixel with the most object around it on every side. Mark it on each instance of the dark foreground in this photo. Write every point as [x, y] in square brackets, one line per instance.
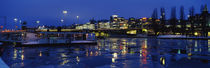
[114, 53]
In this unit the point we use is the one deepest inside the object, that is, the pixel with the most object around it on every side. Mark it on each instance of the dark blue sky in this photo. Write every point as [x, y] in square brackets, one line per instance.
[49, 12]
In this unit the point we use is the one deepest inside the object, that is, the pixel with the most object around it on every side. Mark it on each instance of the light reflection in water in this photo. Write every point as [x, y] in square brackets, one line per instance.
[162, 60]
[78, 60]
[91, 53]
[63, 55]
[120, 53]
[64, 62]
[144, 52]
[15, 54]
[114, 57]
[22, 57]
[209, 46]
[40, 53]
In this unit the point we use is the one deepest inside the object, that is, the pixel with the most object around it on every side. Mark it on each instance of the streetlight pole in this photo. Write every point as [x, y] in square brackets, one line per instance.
[77, 19]
[15, 20]
[37, 23]
[64, 14]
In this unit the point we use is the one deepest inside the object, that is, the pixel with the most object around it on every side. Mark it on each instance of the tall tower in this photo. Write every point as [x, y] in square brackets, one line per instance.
[162, 17]
[155, 14]
[204, 21]
[182, 20]
[163, 20]
[155, 24]
[191, 19]
[173, 20]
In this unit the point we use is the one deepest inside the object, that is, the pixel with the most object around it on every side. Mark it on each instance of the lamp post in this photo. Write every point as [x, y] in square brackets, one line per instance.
[77, 19]
[15, 20]
[64, 14]
[37, 22]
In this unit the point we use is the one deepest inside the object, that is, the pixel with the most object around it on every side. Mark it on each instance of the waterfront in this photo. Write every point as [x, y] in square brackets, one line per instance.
[113, 53]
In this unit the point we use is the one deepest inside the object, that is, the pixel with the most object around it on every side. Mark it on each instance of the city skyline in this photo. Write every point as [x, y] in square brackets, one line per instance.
[51, 12]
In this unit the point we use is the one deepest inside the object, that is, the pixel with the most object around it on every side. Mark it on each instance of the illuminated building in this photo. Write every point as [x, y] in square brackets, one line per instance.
[200, 23]
[86, 26]
[103, 24]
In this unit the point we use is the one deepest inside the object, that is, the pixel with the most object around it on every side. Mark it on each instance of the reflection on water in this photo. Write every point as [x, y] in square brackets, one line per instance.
[114, 52]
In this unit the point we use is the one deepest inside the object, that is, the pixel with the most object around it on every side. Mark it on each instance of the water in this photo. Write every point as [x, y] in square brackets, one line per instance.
[114, 53]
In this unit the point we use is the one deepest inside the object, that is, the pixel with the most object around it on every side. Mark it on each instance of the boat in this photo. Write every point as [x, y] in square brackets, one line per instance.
[58, 38]
[49, 38]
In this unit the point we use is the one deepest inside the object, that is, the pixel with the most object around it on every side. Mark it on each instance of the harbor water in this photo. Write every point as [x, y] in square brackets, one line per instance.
[113, 53]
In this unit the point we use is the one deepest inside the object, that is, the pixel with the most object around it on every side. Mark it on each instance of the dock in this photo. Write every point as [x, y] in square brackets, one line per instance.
[49, 39]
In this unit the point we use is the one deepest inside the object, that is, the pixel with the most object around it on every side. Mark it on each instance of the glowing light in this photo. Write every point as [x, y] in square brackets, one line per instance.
[144, 30]
[113, 60]
[157, 20]
[179, 51]
[77, 17]
[53, 30]
[63, 55]
[196, 33]
[15, 19]
[66, 29]
[62, 20]
[40, 53]
[196, 43]
[114, 55]
[114, 15]
[15, 54]
[132, 32]
[208, 33]
[64, 62]
[91, 53]
[22, 57]
[37, 22]
[188, 15]
[189, 54]
[144, 18]
[162, 60]
[65, 12]
[77, 59]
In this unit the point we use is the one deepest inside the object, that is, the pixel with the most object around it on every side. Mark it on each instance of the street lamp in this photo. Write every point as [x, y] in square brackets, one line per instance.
[37, 23]
[65, 12]
[77, 19]
[62, 20]
[15, 20]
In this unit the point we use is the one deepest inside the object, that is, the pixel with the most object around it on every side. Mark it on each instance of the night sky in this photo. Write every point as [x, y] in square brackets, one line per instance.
[49, 12]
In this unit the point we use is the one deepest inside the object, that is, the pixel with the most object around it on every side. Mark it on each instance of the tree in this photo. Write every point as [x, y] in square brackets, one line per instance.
[191, 19]
[155, 25]
[163, 20]
[182, 20]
